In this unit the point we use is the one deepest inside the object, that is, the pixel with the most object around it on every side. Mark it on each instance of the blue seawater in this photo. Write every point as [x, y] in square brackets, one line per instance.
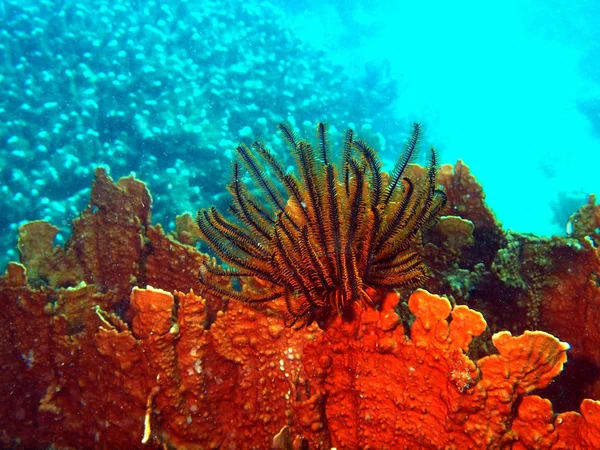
[164, 90]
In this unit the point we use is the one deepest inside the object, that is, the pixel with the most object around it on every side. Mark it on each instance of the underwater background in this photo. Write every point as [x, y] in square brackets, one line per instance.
[166, 89]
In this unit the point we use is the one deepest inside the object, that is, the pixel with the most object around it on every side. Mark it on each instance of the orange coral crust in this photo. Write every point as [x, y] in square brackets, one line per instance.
[538, 427]
[424, 391]
[222, 387]
[359, 384]
[193, 372]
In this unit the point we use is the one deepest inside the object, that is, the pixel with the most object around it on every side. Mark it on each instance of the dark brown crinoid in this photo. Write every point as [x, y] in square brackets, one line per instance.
[326, 236]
